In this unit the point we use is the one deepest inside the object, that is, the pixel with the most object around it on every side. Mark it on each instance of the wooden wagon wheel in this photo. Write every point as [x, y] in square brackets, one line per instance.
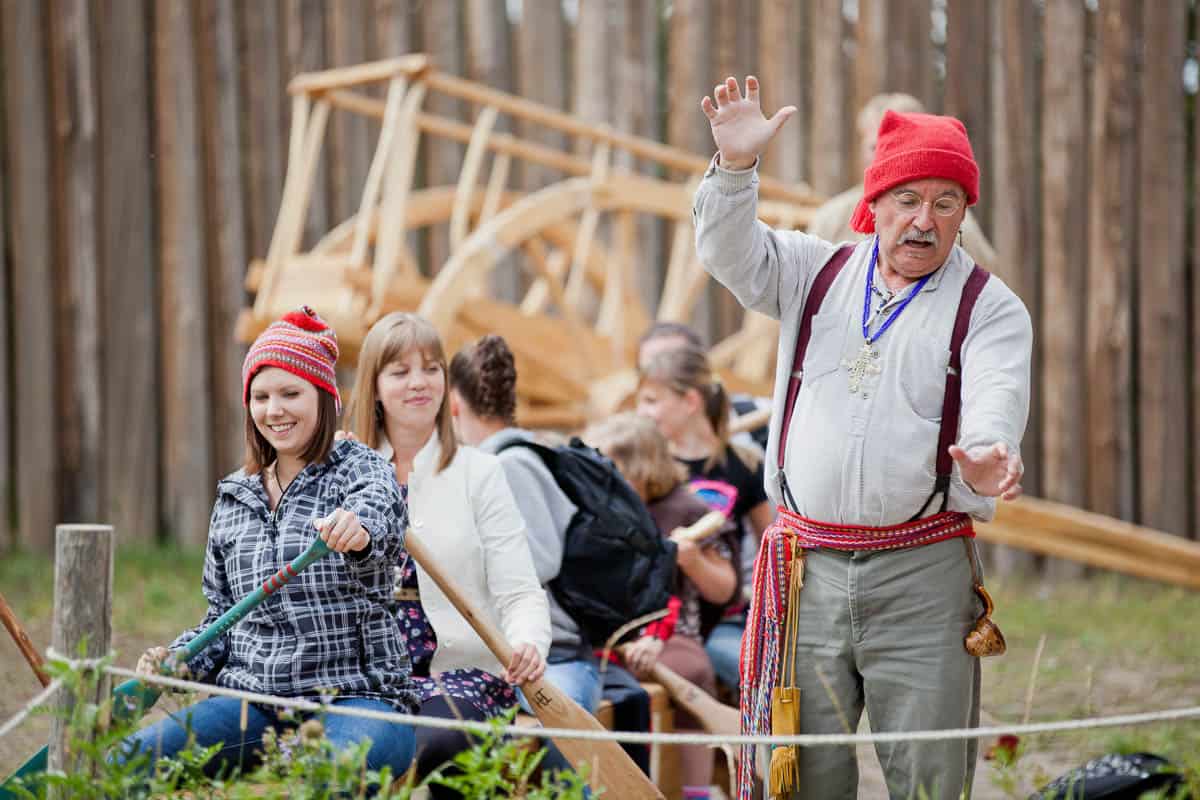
[579, 241]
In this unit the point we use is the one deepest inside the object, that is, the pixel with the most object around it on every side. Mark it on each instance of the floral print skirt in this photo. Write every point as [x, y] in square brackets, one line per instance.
[487, 694]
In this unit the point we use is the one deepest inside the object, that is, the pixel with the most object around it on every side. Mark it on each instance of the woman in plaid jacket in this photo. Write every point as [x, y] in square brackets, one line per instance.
[331, 632]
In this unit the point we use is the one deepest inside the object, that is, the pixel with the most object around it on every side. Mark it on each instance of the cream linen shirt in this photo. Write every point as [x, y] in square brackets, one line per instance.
[467, 518]
[854, 459]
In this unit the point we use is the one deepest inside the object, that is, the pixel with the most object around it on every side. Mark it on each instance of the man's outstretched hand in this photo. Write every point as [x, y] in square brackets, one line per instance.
[739, 129]
[990, 471]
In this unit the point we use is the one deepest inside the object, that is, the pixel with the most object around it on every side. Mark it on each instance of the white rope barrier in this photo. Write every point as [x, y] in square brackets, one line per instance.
[635, 737]
[802, 740]
[40, 699]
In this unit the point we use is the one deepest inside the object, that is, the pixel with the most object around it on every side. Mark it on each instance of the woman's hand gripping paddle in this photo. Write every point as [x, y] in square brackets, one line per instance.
[133, 697]
[612, 768]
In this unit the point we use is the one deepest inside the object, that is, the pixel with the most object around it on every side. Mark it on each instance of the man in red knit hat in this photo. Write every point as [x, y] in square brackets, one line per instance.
[901, 395]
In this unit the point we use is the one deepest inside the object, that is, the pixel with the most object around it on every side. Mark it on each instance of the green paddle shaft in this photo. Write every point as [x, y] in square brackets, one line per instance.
[318, 549]
[132, 698]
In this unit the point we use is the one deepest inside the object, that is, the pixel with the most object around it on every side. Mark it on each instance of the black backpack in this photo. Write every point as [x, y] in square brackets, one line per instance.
[1116, 777]
[616, 566]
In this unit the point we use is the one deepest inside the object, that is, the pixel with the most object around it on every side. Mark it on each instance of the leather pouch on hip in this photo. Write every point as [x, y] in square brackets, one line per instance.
[985, 638]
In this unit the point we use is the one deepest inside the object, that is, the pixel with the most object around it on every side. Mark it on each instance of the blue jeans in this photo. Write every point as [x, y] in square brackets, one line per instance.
[578, 679]
[218, 719]
[724, 648]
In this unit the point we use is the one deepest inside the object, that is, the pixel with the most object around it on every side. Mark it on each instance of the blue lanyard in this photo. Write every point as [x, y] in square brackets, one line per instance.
[867, 299]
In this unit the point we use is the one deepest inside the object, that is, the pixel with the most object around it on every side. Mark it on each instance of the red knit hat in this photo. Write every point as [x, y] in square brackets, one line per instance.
[912, 147]
[301, 343]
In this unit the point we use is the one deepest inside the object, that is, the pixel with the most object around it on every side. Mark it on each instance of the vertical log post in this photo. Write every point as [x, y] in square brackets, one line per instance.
[128, 273]
[186, 390]
[542, 77]
[968, 88]
[225, 212]
[1112, 244]
[83, 581]
[30, 215]
[637, 112]
[1016, 222]
[489, 59]
[1162, 365]
[830, 171]
[1064, 260]
[444, 40]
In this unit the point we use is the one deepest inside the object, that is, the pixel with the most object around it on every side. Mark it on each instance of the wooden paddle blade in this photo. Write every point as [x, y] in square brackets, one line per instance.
[714, 716]
[34, 766]
[610, 767]
[130, 700]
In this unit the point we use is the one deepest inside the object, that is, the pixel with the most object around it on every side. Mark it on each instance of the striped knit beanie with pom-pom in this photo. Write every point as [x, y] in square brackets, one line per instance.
[301, 343]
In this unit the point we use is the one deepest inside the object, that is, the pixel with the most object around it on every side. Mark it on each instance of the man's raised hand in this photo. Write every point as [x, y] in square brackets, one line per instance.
[739, 129]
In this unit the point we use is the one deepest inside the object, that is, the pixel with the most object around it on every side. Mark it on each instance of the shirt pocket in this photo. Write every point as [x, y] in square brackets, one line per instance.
[924, 367]
[825, 347]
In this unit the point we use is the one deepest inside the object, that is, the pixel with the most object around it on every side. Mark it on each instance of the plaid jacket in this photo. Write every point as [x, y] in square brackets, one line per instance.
[334, 626]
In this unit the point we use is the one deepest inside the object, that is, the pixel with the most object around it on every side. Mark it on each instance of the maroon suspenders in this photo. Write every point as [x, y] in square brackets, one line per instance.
[816, 296]
[951, 400]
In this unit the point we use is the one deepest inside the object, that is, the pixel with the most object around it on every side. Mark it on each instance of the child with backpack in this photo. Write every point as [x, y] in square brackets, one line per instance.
[707, 575]
[483, 404]
[461, 507]
[680, 392]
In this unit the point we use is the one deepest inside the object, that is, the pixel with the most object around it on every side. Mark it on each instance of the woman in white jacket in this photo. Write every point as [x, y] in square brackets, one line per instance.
[462, 508]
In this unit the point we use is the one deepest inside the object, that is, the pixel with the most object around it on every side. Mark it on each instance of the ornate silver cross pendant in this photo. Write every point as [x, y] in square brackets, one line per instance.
[864, 364]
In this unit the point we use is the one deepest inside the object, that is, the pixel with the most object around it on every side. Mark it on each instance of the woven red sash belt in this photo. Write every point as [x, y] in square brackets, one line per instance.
[762, 641]
[810, 533]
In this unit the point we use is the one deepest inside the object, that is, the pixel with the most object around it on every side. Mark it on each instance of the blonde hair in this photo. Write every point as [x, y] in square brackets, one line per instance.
[684, 369]
[389, 340]
[639, 450]
[871, 114]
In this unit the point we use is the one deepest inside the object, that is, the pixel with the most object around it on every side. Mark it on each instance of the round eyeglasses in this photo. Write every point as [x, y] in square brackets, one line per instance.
[910, 203]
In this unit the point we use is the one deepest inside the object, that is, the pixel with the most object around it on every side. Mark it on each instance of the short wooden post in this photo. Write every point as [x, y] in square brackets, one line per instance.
[83, 579]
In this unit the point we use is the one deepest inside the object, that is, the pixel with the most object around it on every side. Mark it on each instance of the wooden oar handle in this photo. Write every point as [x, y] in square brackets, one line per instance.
[22, 639]
[750, 420]
[491, 637]
[702, 528]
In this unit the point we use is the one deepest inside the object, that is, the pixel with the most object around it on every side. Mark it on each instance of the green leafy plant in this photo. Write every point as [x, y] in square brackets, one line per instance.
[501, 767]
[298, 762]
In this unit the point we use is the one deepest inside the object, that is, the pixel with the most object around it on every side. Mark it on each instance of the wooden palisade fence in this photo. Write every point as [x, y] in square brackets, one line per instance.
[146, 144]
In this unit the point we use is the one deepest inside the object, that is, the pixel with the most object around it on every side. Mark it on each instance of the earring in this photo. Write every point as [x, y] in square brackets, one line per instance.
[960, 244]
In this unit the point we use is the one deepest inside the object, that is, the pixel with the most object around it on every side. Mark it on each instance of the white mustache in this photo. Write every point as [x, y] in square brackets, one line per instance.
[914, 235]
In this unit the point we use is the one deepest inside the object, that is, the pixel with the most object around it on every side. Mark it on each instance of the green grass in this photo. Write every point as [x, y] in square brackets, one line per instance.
[1113, 645]
[156, 590]
[156, 595]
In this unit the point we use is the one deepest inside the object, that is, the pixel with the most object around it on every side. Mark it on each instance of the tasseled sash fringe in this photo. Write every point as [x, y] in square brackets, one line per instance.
[762, 642]
[761, 645]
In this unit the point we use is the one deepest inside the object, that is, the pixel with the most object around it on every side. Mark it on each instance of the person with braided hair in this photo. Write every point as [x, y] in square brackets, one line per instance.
[483, 405]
